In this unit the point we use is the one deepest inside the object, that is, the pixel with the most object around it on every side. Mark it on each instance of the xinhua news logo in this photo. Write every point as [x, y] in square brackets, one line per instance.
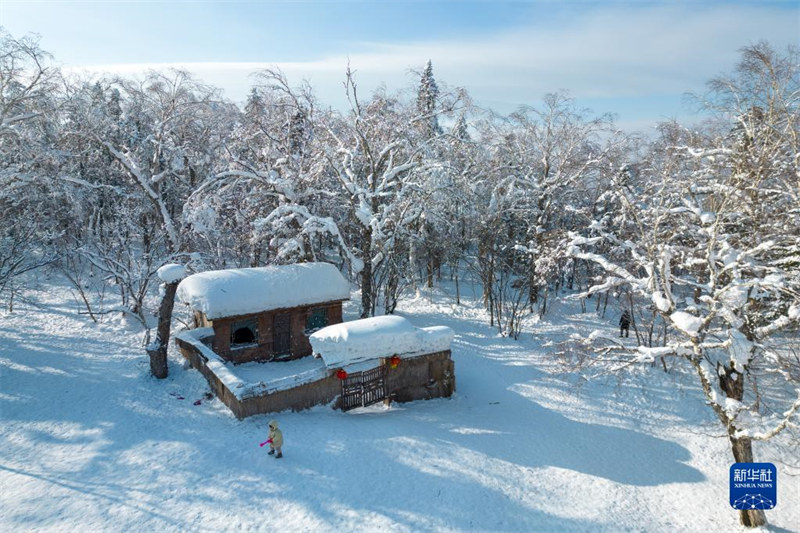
[754, 486]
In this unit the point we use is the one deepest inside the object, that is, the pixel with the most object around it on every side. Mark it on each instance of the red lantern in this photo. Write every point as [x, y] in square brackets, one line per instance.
[394, 361]
[341, 374]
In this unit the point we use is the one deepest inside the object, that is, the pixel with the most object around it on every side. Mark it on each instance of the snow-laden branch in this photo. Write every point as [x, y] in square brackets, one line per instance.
[701, 152]
[610, 283]
[125, 159]
[307, 225]
[8, 122]
[88, 185]
[792, 316]
[618, 271]
[766, 435]
[281, 186]
[388, 177]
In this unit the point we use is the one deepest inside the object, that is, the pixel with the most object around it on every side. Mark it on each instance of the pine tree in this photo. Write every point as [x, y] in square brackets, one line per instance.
[460, 130]
[254, 108]
[427, 97]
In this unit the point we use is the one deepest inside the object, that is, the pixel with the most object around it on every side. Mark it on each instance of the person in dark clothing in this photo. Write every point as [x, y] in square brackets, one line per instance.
[624, 323]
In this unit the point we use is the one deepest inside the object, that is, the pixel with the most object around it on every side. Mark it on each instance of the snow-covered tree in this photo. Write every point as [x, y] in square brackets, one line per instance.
[541, 172]
[167, 142]
[133, 151]
[254, 210]
[561, 155]
[452, 215]
[370, 156]
[713, 244]
[28, 159]
[438, 174]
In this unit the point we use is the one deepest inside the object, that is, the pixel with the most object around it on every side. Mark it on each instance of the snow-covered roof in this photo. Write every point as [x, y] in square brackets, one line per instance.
[382, 336]
[243, 291]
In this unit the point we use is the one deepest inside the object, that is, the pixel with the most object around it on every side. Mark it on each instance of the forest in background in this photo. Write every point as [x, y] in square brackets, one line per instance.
[696, 228]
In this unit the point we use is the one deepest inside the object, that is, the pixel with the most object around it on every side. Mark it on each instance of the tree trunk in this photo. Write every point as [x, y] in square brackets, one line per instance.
[743, 453]
[429, 272]
[412, 265]
[458, 291]
[390, 293]
[158, 349]
[533, 289]
[732, 383]
[543, 305]
[571, 281]
[366, 273]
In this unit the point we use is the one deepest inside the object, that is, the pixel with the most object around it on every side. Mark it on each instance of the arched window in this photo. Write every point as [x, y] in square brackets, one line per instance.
[244, 333]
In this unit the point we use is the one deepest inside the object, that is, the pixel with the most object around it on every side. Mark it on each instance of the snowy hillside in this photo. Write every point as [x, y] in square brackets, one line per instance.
[90, 442]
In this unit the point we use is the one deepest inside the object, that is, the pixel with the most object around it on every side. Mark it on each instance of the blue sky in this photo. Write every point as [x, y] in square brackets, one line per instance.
[633, 58]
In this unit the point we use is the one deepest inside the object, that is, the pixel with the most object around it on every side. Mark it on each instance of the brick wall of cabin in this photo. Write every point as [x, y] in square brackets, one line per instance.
[300, 345]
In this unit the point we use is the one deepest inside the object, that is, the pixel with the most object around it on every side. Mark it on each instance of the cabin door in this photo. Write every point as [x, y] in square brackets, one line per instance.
[360, 389]
[281, 335]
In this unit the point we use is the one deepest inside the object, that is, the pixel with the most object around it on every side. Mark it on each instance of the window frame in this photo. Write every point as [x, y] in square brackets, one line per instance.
[316, 311]
[249, 323]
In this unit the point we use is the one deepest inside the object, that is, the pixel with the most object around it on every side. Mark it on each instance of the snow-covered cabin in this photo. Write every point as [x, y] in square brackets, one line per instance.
[247, 316]
[266, 313]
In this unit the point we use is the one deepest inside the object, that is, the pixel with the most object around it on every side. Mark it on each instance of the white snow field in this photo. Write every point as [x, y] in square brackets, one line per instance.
[90, 442]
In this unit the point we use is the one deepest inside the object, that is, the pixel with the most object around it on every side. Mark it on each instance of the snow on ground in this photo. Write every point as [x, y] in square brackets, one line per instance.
[90, 442]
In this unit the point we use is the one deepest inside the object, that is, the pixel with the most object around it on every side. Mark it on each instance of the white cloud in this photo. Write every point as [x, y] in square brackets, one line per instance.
[623, 51]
